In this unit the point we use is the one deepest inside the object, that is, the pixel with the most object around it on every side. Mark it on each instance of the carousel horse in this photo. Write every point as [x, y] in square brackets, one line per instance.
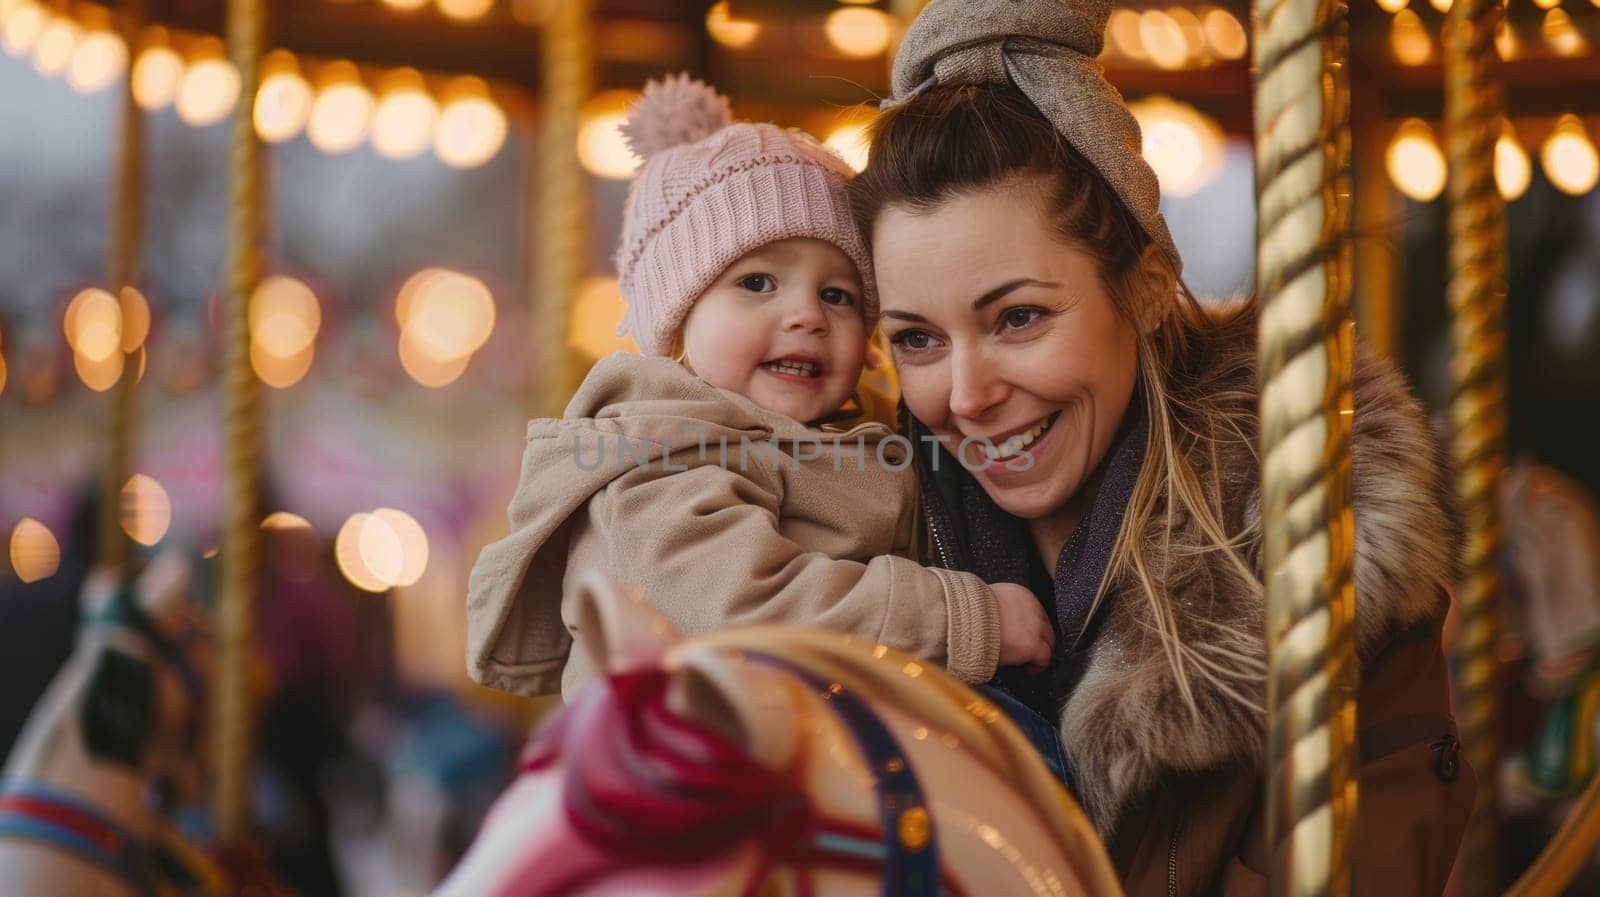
[76, 815]
[774, 762]
[1552, 539]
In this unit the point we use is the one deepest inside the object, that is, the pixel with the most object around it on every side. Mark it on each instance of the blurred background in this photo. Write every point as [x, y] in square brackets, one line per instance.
[437, 269]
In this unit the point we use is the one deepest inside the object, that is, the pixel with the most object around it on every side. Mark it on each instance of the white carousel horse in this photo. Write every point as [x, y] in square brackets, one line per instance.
[75, 810]
[779, 762]
[1552, 539]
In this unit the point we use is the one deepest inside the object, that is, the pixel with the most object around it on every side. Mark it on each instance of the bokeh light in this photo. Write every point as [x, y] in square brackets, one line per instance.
[1225, 34]
[207, 92]
[1562, 34]
[1124, 34]
[1409, 38]
[403, 125]
[728, 30]
[349, 552]
[284, 316]
[1163, 39]
[1414, 161]
[859, 32]
[465, 10]
[341, 114]
[1440, 5]
[102, 374]
[52, 52]
[852, 140]
[35, 554]
[1392, 6]
[283, 104]
[413, 544]
[135, 318]
[1569, 158]
[1512, 170]
[278, 371]
[146, 510]
[472, 127]
[22, 29]
[285, 520]
[99, 60]
[93, 324]
[449, 315]
[405, 5]
[427, 370]
[596, 313]
[157, 73]
[1183, 145]
[601, 147]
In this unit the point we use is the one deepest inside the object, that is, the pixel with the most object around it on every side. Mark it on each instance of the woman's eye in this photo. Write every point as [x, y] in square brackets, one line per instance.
[911, 340]
[759, 283]
[1018, 318]
[836, 296]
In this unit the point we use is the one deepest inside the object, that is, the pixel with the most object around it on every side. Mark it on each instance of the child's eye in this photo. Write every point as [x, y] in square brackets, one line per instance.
[836, 296]
[911, 340]
[1020, 317]
[759, 283]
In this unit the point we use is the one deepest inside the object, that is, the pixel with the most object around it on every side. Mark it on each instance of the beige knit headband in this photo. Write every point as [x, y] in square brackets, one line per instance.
[1047, 48]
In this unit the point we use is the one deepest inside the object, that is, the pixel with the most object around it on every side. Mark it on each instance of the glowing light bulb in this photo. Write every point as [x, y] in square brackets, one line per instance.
[207, 92]
[1163, 39]
[1225, 34]
[858, 32]
[851, 140]
[404, 124]
[595, 315]
[1392, 6]
[729, 31]
[1569, 158]
[35, 554]
[601, 148]
[99, 60]
[465, 10]
[341, 116]
[1415, 163]
[22, 28]
[1409, 39]
[1183, 146]
[472, 129]
[146, 511]
[53, 51]
[283, 106]
[1512, 170]
[156, 75]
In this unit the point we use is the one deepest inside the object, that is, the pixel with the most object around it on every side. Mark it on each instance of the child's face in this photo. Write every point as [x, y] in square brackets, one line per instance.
[796, 301]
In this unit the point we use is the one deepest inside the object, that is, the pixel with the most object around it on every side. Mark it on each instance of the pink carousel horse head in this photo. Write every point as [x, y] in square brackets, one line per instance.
[774, 761]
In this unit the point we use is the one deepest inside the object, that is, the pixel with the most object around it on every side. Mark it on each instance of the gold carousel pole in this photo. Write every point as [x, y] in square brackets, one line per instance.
[122, 273]
[561, 214]
[1473, 107]
[1302, 116]
[231, 704]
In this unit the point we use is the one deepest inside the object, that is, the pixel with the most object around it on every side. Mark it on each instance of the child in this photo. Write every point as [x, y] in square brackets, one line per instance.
[711, 470]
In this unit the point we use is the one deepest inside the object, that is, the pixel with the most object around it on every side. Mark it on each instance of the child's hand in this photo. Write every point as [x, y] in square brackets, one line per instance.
[1026, 636]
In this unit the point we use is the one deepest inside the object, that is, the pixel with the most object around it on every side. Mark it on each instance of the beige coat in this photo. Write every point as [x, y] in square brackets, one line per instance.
[784, 525]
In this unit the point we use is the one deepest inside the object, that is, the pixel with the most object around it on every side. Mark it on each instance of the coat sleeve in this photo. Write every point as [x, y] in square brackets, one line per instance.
[704, 544]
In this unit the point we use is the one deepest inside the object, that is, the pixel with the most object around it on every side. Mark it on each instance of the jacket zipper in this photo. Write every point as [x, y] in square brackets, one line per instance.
[1172, 855]
[938, 546]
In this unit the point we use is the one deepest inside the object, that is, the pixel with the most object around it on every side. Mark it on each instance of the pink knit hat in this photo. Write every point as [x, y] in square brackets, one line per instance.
[708, 193]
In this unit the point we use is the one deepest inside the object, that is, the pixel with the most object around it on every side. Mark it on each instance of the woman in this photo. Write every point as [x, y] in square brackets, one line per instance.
[1031, 294]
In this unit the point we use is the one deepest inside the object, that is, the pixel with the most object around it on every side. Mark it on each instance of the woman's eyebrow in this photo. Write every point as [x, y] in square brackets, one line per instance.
[993, 295]
[1002, 290]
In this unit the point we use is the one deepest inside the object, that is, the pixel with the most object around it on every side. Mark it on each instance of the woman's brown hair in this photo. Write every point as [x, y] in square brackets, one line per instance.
[955, 139]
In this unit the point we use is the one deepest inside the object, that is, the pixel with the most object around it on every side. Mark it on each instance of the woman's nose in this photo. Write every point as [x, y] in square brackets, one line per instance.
[974, 386]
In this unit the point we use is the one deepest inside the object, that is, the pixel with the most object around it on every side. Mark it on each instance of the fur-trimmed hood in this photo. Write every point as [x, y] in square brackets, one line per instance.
[1126, 726]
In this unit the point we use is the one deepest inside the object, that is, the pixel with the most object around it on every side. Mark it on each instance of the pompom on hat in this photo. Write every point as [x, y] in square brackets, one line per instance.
[711, 190]
[1047, 49]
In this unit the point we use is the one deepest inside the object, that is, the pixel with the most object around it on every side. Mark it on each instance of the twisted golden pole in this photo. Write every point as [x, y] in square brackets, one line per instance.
[1302, 117]
[122, 271]
[561, 214]
[1473, 107]
[235, 646]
